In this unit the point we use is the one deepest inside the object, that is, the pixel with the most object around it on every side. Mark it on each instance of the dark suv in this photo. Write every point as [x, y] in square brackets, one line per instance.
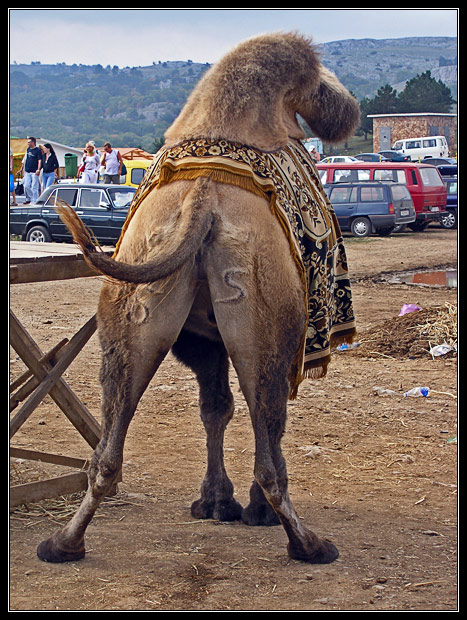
[103, 208]
[371, 206]
[450, 219]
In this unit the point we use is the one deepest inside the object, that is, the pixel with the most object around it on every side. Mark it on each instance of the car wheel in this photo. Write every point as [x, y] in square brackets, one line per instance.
[449, 221]
[38, 234]
[361, 227]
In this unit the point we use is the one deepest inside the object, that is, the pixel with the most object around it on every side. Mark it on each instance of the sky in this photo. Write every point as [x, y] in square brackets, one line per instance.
[139, 37]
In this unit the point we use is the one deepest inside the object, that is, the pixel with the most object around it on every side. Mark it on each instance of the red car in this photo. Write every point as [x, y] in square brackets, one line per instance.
[423, 181]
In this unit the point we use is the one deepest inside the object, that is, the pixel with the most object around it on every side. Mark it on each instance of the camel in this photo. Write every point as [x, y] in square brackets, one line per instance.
[204, 268]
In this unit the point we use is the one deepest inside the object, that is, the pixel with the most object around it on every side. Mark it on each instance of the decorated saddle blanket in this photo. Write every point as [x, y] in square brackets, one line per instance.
[289, 180]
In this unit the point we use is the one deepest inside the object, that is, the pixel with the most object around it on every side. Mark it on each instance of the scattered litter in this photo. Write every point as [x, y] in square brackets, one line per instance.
[441, 349]
[402, 458]
[384, 392]
[346, 347]
[452, 440]
[418, 391]
[406, 308]
[313, 451]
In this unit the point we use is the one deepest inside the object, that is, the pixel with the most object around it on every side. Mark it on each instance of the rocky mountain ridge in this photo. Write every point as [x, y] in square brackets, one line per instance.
[133, 106]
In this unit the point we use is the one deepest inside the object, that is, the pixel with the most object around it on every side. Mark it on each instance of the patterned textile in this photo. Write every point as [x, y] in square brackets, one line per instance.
[288, 179]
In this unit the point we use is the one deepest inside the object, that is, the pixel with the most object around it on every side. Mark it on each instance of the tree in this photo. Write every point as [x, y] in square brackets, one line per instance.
[425, 94]
[385, 100]
[366, 124]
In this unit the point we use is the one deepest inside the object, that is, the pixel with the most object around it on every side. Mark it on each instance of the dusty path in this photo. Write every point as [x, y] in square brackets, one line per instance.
[377, 475]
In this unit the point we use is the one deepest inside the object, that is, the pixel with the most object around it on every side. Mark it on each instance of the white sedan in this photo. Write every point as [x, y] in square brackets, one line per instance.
[339, 159]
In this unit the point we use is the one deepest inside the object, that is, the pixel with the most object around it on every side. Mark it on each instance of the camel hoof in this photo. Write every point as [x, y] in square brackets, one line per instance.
[324, 554]
[226, 510]
[49, 551]
[260, 515]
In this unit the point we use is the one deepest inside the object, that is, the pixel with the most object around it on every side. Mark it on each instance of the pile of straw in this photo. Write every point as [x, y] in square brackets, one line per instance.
[413, 335]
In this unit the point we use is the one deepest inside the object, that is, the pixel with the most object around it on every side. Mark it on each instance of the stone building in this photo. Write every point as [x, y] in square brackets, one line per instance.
[388, 128]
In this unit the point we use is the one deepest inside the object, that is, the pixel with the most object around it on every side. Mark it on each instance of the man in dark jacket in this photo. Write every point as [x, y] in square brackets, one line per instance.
[32, 167]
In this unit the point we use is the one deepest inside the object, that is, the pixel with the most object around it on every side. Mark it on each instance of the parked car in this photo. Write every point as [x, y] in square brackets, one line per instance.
[419, 148]
[441, 161]
[103, 209]
[450, 220]
[338, 159]
[370, 157]
[369, 207]
[423, 181]
[135, 171]
[447, 166]
[394, 156]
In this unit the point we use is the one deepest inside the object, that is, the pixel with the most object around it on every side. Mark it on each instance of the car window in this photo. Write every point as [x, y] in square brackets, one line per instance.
[345, 174]
[121, 196]
[137, 175]
[390, 175]
[68, 195]
[93, 198]
[429, 143]
[452, 187]
[414, 144]
[322, 174]
[341, 194]
[399, 192]
[371, 194]
[430, 176]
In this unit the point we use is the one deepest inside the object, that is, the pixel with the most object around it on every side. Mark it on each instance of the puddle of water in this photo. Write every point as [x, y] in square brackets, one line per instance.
[429, 278]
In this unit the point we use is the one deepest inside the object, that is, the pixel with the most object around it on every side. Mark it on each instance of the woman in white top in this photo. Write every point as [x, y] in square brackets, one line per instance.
[91, 163]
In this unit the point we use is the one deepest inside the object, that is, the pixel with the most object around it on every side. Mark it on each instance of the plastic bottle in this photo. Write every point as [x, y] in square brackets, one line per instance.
[347, 347]
[440, 349]
[418, 391]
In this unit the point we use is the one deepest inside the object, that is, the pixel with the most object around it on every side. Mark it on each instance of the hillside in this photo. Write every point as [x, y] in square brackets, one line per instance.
[73, 104]
[133, 106]
[364, 65]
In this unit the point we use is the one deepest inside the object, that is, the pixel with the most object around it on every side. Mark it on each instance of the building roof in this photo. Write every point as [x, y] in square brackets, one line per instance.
[20, 145]
[413, 114]
[134, 153]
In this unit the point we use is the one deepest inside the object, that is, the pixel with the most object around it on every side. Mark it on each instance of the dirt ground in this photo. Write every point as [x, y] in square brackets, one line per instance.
[376, 474]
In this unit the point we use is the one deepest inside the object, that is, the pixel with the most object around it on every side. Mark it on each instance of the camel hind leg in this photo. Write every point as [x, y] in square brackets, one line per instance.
[259, 307]
[267, 394]
[135, 337]
[209, 361]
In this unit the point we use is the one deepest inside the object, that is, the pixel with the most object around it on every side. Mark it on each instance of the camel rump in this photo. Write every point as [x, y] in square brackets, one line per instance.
[288, 179]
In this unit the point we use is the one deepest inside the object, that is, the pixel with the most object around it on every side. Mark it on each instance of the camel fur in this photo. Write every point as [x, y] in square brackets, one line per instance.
[204, 269]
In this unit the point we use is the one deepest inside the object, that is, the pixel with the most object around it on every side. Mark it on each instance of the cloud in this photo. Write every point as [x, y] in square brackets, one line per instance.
[62, 40]
[139, 37]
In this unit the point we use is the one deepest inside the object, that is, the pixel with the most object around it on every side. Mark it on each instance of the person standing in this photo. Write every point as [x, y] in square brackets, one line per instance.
[31, 166]
[112, 160]
[50, 165]
[12, 180]
[315, 154]
[90, 164]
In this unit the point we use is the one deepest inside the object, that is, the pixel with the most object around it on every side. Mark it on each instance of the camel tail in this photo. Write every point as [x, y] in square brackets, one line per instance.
[191, 238]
